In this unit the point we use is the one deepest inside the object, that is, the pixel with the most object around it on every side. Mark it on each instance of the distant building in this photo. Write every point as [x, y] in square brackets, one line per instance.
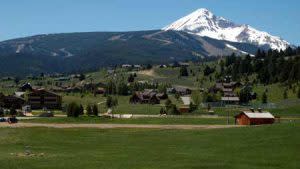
[184, 109]
[227, 87]
[254, 118]
[25, 87]
[126, 66]
[11, 101]
[137, 66]
[99, 90]
[41, 98]
[146, 97]
[179, 90]
[184, 64]
[163, 66]
[230, 100]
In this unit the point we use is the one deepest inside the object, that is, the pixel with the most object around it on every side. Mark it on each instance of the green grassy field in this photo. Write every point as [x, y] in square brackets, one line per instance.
[162, 120]
[264, 147]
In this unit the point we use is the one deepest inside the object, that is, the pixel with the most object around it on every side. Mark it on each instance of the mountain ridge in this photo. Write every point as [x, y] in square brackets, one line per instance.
[76, 52]
[202, 22]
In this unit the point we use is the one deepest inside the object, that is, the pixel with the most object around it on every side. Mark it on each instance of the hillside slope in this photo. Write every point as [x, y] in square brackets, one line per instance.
[76, 52]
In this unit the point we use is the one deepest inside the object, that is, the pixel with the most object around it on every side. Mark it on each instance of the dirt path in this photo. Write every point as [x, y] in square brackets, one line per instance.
[150, 73]
[113, 126]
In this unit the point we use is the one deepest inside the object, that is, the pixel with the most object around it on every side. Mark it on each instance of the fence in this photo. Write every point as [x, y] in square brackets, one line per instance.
[252, 105]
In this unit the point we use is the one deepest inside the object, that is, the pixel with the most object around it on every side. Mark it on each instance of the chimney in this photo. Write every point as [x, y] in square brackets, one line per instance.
[259, 110]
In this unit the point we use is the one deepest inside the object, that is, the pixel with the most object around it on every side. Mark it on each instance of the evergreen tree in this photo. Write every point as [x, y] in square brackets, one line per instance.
[168, 104]
[73, 110]
[89, 110]
[173, 109]
[81, 110]
[245, 94]
[122, 89]
[1, 112]
[264, 98]
[111, 102]
[81, 77]
[130, 78]
[162, 111]
[285, 94]
[95, 110]
[184, 71]
[111, 87]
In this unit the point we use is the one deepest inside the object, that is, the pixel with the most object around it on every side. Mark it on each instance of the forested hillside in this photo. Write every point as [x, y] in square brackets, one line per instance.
[269, 67]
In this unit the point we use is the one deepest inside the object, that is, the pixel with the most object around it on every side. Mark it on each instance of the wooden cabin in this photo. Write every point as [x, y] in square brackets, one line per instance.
[146, 97]
[254, 118]
[11, 101]
[180, 90]
[41, 98]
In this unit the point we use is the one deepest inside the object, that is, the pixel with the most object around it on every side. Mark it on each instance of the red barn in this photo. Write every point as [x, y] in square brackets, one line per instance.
[254, 118]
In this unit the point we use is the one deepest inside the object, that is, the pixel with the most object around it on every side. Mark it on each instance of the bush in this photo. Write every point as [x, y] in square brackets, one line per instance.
[173, 110]
[193, 107]
[111, 102]
[73, 110]
[162, 111]
[12, 111]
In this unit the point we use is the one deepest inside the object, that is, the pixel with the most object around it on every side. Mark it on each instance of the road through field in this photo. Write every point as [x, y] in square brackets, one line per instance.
[112, 126]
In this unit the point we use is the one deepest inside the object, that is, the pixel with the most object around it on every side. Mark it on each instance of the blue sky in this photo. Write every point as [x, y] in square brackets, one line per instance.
[19, 18]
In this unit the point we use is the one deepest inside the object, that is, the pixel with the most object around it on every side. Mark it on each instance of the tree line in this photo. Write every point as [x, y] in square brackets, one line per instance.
[270, 66]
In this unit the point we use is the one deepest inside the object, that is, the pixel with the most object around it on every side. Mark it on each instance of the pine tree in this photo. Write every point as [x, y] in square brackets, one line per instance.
[264, 98]
[95, 110]
[130, 78]
[285, 94]
[184, 71]
[89, 110]
[73, 110]
[1, 112]
[81, 110]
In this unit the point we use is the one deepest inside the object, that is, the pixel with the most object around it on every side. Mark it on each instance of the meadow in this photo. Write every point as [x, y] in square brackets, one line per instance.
[147, 120]
[275, 146]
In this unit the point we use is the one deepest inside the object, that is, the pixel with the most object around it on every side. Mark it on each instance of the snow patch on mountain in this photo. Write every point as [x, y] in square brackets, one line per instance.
[202, 22]
[20, 48]
[67, 53]
[235, 49]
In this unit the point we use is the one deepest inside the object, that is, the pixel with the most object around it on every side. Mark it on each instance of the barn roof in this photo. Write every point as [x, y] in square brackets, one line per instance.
[263, 115]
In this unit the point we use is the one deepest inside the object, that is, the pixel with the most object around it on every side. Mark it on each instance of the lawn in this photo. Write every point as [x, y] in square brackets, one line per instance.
[264, 147]
[124, 107]
[162, 120]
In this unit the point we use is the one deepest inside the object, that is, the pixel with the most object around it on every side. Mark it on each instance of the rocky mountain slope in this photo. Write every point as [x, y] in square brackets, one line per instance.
[202, 22]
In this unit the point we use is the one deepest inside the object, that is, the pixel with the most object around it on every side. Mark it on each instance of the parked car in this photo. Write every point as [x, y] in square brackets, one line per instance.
[2, 120]
[11, 120]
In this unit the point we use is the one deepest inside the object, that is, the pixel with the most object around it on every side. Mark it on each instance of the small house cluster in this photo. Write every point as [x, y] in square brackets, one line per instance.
[148, 96]
[29, 96]
[227, 87]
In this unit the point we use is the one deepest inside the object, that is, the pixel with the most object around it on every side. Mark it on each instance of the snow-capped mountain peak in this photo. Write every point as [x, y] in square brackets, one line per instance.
[202, 22]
